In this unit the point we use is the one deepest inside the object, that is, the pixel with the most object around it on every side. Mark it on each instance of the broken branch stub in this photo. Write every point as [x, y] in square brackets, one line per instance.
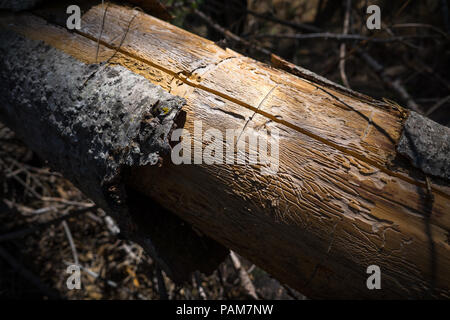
[427, 145]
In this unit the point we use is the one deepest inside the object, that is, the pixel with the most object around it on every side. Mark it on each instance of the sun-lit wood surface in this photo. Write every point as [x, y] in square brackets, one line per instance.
[338, 202]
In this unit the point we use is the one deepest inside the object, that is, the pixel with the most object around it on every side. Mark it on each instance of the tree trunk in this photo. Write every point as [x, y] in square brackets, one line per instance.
[341, 197]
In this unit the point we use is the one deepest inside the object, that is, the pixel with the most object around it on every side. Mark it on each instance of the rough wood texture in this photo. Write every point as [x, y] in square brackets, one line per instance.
[343, 199]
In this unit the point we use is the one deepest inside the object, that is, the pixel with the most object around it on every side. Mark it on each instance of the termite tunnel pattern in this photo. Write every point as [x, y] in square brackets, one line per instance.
[91, 122]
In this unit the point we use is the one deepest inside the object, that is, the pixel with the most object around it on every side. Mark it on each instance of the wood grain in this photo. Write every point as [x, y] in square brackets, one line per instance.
[336, 204]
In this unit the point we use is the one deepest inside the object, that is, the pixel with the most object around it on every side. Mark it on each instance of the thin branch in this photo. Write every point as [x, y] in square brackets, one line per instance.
[293, 294]
[68, 202]
[198, 284]
[110, 283]
[228, 34]
[161, 284]
[445, 18]
[71, 242]
[420, 25]
[298, 26]
[340, 37]
[24, 184]
[393, 84]
[402, 8]
[246, 283]
[254, 113]
[343, 47]
[438, 104]
[28, 275]
[420, 66]
[103, 65]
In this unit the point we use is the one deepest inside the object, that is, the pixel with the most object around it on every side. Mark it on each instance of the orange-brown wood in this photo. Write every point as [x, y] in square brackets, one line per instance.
[337, 203]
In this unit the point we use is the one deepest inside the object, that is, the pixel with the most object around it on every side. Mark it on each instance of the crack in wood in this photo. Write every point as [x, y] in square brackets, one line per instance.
[187, 81]
[254, 113]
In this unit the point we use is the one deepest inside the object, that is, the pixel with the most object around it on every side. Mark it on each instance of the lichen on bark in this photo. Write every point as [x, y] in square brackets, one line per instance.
[99, 118]
[92, 123]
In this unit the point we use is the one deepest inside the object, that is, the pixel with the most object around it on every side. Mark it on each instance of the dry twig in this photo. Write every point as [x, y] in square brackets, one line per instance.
[395, 85]
[243, 276]
[228, 34]
[343, 47]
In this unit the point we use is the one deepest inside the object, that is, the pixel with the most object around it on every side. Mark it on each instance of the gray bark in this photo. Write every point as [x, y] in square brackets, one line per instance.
[92, 122]
[427, 145]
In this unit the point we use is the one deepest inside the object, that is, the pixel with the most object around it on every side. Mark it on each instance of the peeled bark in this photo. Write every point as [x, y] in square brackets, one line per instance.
[343, 198]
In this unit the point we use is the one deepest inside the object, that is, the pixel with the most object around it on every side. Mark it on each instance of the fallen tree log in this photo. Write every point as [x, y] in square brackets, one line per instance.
[348, 189]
